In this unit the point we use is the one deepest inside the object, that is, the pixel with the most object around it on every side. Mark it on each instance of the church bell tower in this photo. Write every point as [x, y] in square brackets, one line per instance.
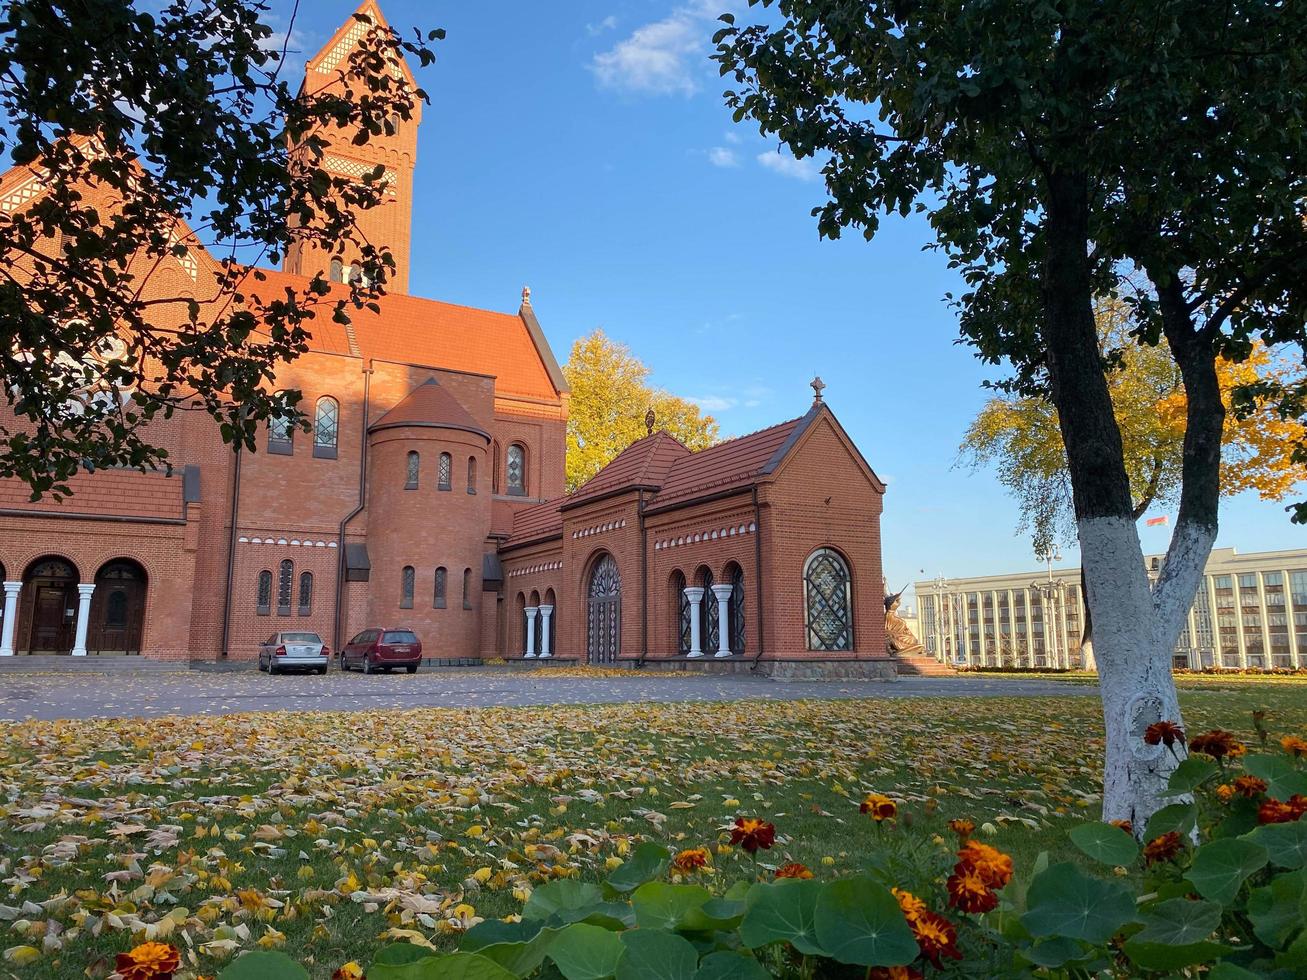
[390, 222]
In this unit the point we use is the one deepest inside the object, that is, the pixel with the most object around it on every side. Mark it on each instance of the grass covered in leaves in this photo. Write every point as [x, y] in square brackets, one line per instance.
[327, 833]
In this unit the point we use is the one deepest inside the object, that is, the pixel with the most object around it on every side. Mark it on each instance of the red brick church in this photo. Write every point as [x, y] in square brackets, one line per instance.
[429, 494]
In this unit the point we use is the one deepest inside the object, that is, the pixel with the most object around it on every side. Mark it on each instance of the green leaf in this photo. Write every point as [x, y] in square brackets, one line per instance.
[1055, 953]
[264, 965]
[1161, 956]
[1286, 843]
[1179, 922]
[1283, 778]
[860, 922]
[1240, 818]
[1178, 817]
[1277, 910]
[653, 955]
[561, 896]
[659, 905]
[397, 954]
[782, 911]
[452, 966]
[519, 947]
[1221, 867]
[1064, 901]
[1190, 774]
[586, 952]
[647, 862]
[725, 965]
[723, 914]
[1105, 843]
[1228, 971]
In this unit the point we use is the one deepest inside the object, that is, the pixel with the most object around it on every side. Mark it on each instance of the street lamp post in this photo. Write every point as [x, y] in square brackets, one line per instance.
[1052, 591]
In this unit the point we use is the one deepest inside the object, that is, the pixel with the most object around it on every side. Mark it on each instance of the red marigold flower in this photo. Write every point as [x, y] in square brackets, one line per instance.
[753, 834]
[1218, 743]
[992, 865]
[1298, 803]
[963, 828]
[1166, 733]
[936, 937]
[894, 973]
[1277, 811]
[1295, 746]
[350, 971]
[968, 892]
[879, 807]
[1250, 786]
[913, 907]
[1125, 825]
[793, 870]
[691, 859]
[149, 961]
[1162, 848]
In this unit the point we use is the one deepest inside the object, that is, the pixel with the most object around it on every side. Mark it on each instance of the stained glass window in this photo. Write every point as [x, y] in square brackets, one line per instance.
[414, 468]
[604, 612]
[737, 610]
[467, 588]
[263, 600]
[280, 436]
[306, 593]
[337, 273]
[709, 626]
[445, 473]
[683, 625]
[406, 588]
[471, 474]
[115, 608]
[828, 601]
[442, 578]
[285, 580]
[326, 422]
[516, 468]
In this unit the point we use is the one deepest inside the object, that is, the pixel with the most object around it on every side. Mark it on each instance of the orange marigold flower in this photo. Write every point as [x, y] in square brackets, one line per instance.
[963, 828]
[753, 834]
[894, 973]
[1219, 744]
[1162, 848]
[879, 807]
[793, 870]
[913, 907]
[1295, 746]
[992, 865]
[1225, 792]
[936, 937]
[691, 859]
[968, 892]
[1279, 811]
[1166, 733]
[148, 961]
[1250, 786]
[350, 971]
[1125, 825]
[1298, 803]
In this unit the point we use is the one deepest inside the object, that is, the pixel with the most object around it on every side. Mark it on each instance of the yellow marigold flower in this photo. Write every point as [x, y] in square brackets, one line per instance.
[350, 971]
[879, 807]
[913, 907]
[1225, 792]
[691, 859]
[1295, 746]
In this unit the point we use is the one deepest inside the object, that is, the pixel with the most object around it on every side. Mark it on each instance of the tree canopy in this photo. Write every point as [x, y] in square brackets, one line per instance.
[149, 136]
[610, 396]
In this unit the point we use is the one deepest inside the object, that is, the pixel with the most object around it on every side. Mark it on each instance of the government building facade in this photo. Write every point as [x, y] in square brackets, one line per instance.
[428, 494]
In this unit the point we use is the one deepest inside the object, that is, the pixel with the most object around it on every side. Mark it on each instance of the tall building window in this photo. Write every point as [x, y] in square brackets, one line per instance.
[471, 474]
[467, 588]
[285, 580]
[263, 597]
[682, 603]
[710, 625]
[515, 469]
[414, 466]
[446, 472]
[406, 587]
[442, 578]
[326, 423]
[306, 593]
[337, 272]
[736, 609]
[281, 436]
[828, 600]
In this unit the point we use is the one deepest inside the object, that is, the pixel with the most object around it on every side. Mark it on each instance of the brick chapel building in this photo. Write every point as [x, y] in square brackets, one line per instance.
[429, 494]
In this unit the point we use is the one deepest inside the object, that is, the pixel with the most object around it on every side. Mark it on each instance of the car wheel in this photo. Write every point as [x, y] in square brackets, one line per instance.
[272, 670]
[322, 670]
[367, 666]
[413, 669]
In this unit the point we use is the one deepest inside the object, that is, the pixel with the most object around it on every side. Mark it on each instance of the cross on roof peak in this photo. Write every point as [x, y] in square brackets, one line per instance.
[817, 387]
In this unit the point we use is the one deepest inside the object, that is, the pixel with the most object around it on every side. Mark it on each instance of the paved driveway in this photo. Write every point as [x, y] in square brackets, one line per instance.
[49, 696]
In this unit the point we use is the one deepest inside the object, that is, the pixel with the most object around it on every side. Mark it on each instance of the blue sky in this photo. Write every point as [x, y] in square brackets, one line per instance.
[583, 148]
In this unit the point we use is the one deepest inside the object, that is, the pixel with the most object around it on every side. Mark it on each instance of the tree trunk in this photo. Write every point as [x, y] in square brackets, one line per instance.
[1087, 632]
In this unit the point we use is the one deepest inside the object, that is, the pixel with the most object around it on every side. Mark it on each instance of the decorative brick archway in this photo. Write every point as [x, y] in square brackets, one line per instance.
[604, 612]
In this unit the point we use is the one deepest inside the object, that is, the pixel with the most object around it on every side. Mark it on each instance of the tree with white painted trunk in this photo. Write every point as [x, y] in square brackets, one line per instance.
[1054, 148]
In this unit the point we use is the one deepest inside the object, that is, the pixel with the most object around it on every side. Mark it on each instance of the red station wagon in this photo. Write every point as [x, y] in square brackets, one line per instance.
[382, 649]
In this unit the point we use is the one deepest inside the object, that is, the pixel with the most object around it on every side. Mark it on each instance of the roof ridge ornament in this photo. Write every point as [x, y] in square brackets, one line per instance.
[526, 295]
[649, 419]
[817, 386]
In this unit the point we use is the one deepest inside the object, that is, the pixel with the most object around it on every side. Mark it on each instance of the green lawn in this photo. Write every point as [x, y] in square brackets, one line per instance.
[324, 831]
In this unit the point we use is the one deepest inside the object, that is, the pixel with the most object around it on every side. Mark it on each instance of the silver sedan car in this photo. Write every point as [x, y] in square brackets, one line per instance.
[294, 651]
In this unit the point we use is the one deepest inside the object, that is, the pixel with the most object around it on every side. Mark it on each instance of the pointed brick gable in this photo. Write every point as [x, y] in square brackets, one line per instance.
[429, 405]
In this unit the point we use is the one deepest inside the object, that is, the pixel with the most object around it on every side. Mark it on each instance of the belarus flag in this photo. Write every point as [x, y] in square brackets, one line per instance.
[1156, 521]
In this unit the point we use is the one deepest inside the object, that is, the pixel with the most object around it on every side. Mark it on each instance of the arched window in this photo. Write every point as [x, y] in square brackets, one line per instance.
[471, 474]
[735, 575]
[446, 471]
[306, 593]
[285, 580]
[411, 474]
[681, 603]
[442, 578]
[515, 469]
[355, 273]
[326, 425]
[467, 588]
[337, 273]
[828, 600]
[281, 435]
[406, 587]
[709, 622]
[263, 598]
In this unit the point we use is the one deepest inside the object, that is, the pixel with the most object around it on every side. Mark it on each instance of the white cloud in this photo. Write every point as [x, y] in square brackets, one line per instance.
[788, 166]
[713, 403]
[731, 136]
[665, 57]
[607, 24]
[720, 156]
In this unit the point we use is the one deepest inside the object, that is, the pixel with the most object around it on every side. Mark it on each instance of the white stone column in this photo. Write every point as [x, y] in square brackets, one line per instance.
[723, 594]
[530, 650]
[11, 618]
[546, 613]
[694, 594]
[83, 618]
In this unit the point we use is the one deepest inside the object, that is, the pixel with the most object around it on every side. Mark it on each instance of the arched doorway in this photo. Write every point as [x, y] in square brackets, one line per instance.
[604, 612]
[118, 608]
[49, 613]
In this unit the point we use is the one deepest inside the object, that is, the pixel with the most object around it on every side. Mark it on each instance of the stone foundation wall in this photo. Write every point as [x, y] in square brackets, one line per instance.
[781, 670]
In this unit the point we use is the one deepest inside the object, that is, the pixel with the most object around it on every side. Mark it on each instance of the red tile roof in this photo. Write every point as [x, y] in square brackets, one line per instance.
[430, 404]
[725, 466]
[537, 523]
[412, 330]
[644, 463]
